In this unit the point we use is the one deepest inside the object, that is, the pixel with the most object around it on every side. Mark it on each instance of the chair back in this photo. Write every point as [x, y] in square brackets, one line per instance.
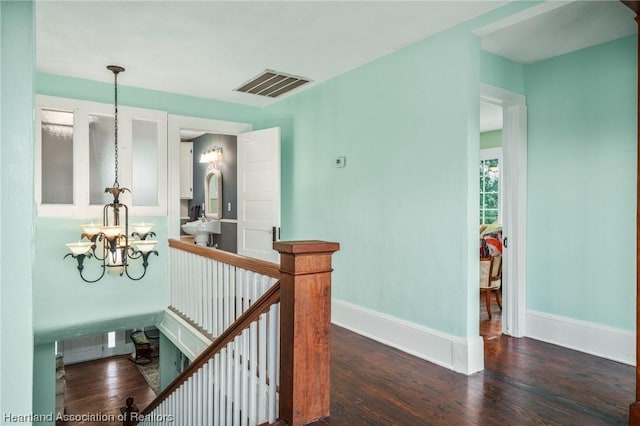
[490, 272]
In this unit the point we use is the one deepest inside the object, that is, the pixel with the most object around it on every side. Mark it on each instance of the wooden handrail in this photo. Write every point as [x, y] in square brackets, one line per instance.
[260, 306]
[250, 264]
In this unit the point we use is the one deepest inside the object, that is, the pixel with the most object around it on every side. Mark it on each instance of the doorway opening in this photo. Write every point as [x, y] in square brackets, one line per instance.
[491, 182]
[258, 182]
[513, 205]
[208, 190]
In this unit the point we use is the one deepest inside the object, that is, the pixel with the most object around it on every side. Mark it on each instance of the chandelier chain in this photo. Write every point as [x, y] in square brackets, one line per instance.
[116, 184]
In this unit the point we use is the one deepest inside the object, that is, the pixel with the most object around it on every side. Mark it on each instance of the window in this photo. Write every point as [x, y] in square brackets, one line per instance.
[111, 339]
[490, 186]
[75, 158]
[57, 148]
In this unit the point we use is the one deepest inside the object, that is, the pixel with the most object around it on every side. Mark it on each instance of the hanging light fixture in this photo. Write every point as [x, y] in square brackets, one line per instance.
[110, 243]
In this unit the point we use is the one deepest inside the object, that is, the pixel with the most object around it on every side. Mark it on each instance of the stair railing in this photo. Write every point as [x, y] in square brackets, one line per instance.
[271, 362]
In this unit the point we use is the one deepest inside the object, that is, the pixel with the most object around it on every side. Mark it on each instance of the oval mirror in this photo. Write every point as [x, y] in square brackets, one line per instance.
[213, 194]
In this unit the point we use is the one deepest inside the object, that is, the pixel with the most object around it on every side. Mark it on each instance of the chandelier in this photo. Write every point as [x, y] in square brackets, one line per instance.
[111, 243]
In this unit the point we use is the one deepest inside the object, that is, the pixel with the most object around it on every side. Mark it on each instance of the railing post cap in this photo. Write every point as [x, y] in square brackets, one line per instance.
[306, 247]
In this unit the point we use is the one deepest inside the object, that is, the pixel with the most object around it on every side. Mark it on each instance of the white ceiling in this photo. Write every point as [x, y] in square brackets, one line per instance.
[554, 28]
[208, 48]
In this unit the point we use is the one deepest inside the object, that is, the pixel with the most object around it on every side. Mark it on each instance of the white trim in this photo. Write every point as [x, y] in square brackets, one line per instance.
[461, 355]
[514, 146]
[188, 339]
[595, 339]
[81, 207]
[491, 153]
[175, 123]
[519, 17]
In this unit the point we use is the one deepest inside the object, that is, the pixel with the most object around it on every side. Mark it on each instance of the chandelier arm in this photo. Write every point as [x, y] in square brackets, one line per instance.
[132, 254]
[143, 236]
[80, 259]
[95, 239]
[145, 263]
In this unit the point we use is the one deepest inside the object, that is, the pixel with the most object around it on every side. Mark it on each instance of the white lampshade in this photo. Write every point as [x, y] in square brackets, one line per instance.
[142, 228]
[81, 247]
[91, 229]
[145, 246]
[111, 231]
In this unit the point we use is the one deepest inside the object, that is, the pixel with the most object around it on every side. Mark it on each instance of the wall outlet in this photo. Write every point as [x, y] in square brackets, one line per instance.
[341, 161]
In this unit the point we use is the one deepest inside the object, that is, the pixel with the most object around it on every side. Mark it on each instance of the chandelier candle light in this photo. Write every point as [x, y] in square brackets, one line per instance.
[110, 242]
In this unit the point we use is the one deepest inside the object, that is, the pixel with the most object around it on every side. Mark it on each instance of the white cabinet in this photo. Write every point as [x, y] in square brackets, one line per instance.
[186, 170]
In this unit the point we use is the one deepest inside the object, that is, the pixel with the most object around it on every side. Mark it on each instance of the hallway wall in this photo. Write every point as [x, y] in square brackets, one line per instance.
[582, 184]
[17, 212]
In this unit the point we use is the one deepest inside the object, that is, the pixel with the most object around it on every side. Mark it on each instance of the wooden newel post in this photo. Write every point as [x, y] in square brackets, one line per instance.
[305, 328]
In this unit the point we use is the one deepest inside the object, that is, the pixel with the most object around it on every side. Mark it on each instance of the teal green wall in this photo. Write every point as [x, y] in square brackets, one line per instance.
[76, 88]
[582, 184]
[168, 361]
[501, 72]
[97, 305]
[492, 139]
[17, 62]
[44, 381]
[113, 302]
[404, 208]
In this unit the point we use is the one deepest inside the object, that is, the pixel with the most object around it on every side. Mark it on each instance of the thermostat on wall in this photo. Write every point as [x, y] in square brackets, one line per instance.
[341, 161]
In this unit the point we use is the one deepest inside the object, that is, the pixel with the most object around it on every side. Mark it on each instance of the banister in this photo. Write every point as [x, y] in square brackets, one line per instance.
[255, 265]
[260, 306]
[301, 394]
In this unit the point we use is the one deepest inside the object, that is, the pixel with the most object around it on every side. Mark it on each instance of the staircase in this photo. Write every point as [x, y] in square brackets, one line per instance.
[269, 361]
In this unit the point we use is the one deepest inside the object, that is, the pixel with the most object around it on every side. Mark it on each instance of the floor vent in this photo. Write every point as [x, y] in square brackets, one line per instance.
[272, 84]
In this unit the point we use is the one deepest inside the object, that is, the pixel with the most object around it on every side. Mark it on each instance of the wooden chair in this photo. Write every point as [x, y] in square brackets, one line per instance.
[142, 346]
[491, 280]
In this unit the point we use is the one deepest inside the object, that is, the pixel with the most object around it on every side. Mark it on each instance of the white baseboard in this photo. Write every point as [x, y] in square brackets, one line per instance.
[461, 355]
[595, 339]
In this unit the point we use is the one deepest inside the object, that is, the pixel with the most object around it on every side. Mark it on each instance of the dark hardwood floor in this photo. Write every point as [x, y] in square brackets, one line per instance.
[490, 328]
[525, 382]
[102, 386]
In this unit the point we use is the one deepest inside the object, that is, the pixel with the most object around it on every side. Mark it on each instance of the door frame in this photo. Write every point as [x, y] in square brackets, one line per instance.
[175, 123]
[514, 152]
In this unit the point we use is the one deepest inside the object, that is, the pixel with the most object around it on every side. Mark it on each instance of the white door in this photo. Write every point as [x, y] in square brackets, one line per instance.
[259, 193]
[83, 349]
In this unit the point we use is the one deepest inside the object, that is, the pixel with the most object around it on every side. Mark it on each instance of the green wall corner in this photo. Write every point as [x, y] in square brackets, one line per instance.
[403, 207]
[582, 184]
[17, 61]
[169, 357]
[44, 382]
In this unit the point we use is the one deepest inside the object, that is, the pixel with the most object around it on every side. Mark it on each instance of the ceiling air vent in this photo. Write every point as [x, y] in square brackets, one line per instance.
[272, 83]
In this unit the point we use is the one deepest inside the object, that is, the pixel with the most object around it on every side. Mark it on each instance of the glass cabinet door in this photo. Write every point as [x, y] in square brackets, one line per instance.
[57, 157]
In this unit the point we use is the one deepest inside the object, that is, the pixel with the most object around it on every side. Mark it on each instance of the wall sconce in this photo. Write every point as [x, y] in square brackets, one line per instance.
[212, 156]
